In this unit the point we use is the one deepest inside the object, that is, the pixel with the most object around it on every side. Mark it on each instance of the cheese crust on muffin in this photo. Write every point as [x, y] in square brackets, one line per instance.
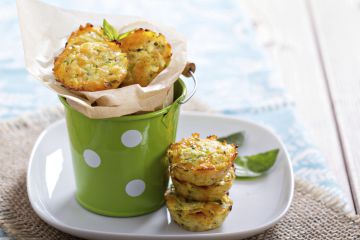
[87, 33]
[197, 216]
[202, 162]
[90, 62]
[205, 193]
[148, 52]
[91, 66]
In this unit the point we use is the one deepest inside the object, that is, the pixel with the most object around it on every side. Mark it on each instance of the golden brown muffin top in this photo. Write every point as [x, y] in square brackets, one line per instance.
[87, 33]
[206, 154]
[91, 66]
[148, 52]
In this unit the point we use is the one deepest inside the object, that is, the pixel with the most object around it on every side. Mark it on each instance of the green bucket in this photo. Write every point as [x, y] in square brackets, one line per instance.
[119, 163]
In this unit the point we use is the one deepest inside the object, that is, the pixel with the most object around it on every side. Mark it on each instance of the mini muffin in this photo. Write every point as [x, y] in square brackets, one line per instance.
[205, 193]
[197, 216]
[202, 162]
[87, 33]
[91, 66]
[148, 52]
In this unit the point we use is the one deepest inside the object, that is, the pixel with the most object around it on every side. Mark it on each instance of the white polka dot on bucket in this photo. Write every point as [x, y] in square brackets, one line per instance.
[131, 138]
[91, 158]
[135, 188]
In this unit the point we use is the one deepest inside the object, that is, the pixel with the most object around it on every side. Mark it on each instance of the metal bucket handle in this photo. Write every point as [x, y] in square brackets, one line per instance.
[189, 72]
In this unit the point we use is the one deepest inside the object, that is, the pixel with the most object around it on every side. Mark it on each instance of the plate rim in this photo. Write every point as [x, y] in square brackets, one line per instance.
[82, 231]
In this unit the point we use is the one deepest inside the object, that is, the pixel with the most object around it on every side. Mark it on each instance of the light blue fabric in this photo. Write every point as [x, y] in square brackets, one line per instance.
[233, 70]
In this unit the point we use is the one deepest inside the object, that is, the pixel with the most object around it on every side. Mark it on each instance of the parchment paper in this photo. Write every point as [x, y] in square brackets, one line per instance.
[45, 29]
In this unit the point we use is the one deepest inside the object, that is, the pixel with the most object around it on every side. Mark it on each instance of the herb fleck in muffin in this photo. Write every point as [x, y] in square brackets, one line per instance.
[202, 162]
[148, 52]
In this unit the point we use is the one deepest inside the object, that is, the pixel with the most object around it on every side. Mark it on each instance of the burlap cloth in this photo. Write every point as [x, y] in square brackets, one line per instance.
[314, 214]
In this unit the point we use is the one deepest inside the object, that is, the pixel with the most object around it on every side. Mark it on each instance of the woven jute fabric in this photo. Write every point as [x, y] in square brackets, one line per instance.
[314, 213]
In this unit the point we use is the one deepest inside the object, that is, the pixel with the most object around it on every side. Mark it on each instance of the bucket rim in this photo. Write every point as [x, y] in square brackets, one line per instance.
[138, 116]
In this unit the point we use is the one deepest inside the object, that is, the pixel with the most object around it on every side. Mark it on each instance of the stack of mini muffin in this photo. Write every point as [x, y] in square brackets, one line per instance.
[202, 173]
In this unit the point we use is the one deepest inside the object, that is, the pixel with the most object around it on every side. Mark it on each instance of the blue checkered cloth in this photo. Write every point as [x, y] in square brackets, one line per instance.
[233, 71]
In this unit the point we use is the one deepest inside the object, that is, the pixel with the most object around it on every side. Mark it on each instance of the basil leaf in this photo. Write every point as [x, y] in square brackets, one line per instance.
[262, 162]
[249, 167]
[110, 31]
[255, 165]
[124, 35]
[235, 138]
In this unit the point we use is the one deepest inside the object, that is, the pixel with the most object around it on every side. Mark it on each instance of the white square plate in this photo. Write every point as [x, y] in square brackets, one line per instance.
[258, 204]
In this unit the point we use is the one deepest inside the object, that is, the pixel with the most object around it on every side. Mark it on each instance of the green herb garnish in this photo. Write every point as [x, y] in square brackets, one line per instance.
[249, 167]
[111, 32]
[262, 162]
[124, 35]
[235, 138]
[255, 165]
